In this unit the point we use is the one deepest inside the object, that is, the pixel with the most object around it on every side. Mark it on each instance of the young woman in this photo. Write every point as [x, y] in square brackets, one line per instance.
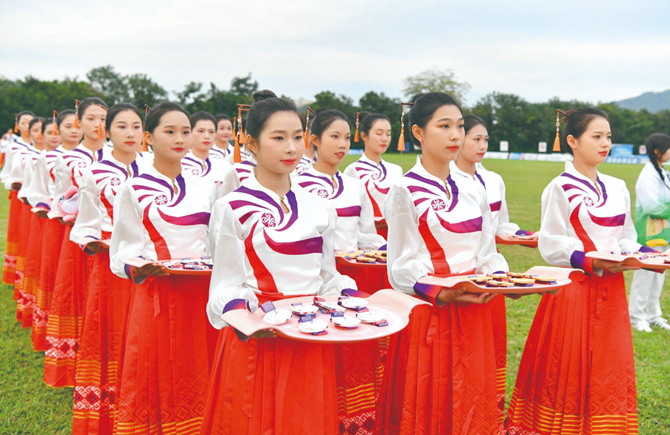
[13, 185]
[168, 343]
[41, 193]
[331, 135]
[224, 131]
[200, 161]
[475, 145]
[271, 241]
[107, 294]
[577, 372]
[30, 227]
[74, 266]
[377, 175]
[440, 374]
[652, 216]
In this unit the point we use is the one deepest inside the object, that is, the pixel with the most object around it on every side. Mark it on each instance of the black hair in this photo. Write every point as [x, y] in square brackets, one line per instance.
[657, 142]
[34, 121]
[471, 121]
[61, 116]
[367, 120]
[202, 116]
[88, 102]
[45, 123]
[220, 117]
[266, 103]
[577, 121]
[118, 108]
[424, 108]
[324, 119]
[155, 114]
[24, 112]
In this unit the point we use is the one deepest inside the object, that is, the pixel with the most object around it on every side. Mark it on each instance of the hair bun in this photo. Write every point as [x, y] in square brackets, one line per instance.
[263, 95]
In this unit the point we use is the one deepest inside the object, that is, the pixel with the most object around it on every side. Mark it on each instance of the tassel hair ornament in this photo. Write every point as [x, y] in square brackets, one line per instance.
[56, 131]
[145, 145]
[101, 125]
[240, 136]
[76, 114]
[401, 138]
[557, 141]
[309, 109]
[358, 115]
[16, 123]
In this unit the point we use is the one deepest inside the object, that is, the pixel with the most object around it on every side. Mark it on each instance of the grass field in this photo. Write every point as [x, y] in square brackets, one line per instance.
[27, 406]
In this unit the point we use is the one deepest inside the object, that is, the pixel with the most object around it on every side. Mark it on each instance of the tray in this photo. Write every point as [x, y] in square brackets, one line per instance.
[653, 262]
[395, 306]
[339, 259]
[529, 241]
[561, 274]
[139, 262]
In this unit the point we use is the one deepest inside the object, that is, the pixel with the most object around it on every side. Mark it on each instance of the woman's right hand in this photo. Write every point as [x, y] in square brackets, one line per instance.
[612, 266]
[459, 294]
[151, 269]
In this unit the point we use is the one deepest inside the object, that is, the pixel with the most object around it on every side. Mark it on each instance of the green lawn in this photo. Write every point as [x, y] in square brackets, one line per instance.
[27, 406]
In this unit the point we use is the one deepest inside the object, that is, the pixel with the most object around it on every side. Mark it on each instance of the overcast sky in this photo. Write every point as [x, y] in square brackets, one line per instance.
[599, 50]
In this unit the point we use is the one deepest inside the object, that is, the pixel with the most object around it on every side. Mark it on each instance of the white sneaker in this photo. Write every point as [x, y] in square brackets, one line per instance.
[662, 323]
[641, 326]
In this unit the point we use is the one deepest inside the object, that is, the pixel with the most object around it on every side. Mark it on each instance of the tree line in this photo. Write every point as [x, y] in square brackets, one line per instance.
[509, 117]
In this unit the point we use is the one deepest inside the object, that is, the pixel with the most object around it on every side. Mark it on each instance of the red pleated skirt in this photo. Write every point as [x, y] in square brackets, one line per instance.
[281, 386]
[66, 314]
[100, 351]
[31, 274]
[52, 240]
[12, 246]
[368, 279]
[499, 319]
[440, 374]
[577, 373]
[168, 350]
[24, 231]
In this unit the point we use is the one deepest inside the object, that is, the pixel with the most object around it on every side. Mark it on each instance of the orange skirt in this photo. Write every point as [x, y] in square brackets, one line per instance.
[577, 373]
[66, 314]
[52, 240]
[283, 386]
[440, 374]
[24, 231]
[166, 359]
[31, 274]
[499, 318]
[98, 358]
[12, 246]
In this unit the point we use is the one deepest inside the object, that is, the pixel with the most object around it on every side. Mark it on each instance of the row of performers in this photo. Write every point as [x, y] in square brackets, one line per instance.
[148, 352]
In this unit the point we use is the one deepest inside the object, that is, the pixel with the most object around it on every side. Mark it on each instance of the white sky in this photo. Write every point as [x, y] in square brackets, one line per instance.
[588, 50]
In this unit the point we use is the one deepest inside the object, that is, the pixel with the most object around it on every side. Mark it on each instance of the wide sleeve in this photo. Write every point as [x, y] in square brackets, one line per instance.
[651, 196]
[16, 171]
[505, 227]
[227, 290]
[556, 246]
[127, 233]
[89, 218]
[628, 241]
[333, 281]
[405, 263]
[7, 167]
[63, 178]
[366, 231]
[28, 171]
[38, 191]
